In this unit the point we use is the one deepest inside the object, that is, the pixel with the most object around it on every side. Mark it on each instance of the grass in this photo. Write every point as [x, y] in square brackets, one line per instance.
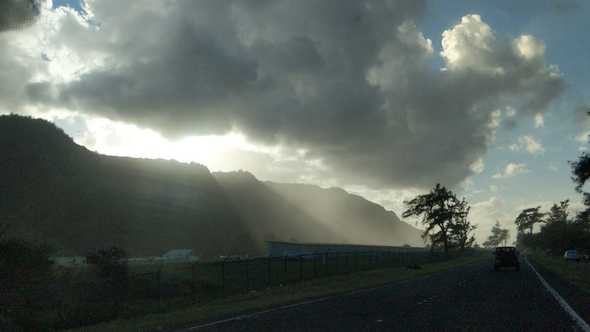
[577, 273]
[274, 296]
[158, 288]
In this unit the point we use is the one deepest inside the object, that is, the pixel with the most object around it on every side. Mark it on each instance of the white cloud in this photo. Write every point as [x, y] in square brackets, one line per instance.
[511, 169]
[478, 166]
[467, 44]
[529, 47]
[531, 145]
[209, 68]
[539, 120]
[510, 112]
[583, 136]
[528, 143]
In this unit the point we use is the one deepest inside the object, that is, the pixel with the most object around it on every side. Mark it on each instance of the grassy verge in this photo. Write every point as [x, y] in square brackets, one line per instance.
[576, 273]
[275, 296]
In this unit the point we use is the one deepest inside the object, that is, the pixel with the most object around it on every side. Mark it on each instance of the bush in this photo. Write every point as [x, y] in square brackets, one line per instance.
[26, 279]
[110, 266]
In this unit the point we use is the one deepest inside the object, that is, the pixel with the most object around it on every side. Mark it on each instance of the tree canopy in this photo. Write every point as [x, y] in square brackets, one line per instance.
[528, 218]
[499, 235]
[444, 217]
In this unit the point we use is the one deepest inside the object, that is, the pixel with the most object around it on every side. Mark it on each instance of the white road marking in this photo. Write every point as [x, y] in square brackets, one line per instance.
[562, 302]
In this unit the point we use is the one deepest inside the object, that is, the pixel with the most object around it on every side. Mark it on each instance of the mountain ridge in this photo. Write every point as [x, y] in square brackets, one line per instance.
[56, 191]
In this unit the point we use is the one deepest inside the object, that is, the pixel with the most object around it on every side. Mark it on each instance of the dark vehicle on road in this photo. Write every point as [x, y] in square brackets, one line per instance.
[506, 257]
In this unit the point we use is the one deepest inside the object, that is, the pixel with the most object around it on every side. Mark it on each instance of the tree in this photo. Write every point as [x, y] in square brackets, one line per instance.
[528, 218]
[461, 229]
[558, 213]
[440, 209]
[580, 175]
[499, 235]
[560, 233]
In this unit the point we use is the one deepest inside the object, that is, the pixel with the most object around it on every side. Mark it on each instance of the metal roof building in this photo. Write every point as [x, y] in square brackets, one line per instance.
[278, 248]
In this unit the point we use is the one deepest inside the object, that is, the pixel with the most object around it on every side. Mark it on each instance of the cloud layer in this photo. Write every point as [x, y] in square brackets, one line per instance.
[351, 83]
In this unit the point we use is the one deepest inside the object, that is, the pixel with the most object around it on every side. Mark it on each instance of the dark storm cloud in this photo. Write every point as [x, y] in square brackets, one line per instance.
[18, 14]
[349, 81]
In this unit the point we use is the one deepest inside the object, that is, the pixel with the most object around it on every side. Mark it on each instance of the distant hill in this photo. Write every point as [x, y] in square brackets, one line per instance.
[270, 216]
[54, 190]
[349, 216]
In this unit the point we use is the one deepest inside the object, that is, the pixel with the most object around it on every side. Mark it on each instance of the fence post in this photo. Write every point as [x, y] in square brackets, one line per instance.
[301, 268]
[284, 275]
[315, 263]
[159, 281]
[346, 262]
[247, 274]
[194, 282]
[223, 276]
[326, 263]
[268, 270]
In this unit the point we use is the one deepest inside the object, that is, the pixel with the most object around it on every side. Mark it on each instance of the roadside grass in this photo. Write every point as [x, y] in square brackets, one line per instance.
[278, 295]
[155, 288]
[576, 273]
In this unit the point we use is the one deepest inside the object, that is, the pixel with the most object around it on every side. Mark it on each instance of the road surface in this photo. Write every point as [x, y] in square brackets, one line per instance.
[467, 298]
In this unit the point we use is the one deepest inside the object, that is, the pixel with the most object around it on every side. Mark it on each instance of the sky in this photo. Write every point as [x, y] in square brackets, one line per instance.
[382, 98]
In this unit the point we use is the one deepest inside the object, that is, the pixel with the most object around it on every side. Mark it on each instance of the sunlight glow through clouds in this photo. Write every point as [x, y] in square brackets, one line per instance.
[121, 139]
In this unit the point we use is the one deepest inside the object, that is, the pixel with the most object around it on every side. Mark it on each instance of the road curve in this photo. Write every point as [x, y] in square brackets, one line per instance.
[467, 298]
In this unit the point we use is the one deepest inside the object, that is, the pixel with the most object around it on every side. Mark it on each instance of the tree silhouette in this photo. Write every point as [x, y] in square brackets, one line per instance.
[461, 229]
[528, 218]
[498, 236]
[440, 210]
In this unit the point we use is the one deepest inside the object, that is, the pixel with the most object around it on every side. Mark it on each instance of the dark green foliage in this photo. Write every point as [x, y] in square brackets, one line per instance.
[581, 170]
[528, 218]
[26, 277]
[559, 233]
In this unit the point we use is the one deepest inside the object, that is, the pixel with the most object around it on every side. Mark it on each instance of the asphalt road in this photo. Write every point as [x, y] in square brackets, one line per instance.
[467, 298]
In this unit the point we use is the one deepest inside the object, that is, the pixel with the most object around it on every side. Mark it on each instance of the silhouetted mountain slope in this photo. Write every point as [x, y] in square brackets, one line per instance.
[349, 216]
[54, 190]
[268, 215]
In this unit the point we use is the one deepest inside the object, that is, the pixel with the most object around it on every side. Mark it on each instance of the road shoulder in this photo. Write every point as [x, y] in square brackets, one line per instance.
[577, 298]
